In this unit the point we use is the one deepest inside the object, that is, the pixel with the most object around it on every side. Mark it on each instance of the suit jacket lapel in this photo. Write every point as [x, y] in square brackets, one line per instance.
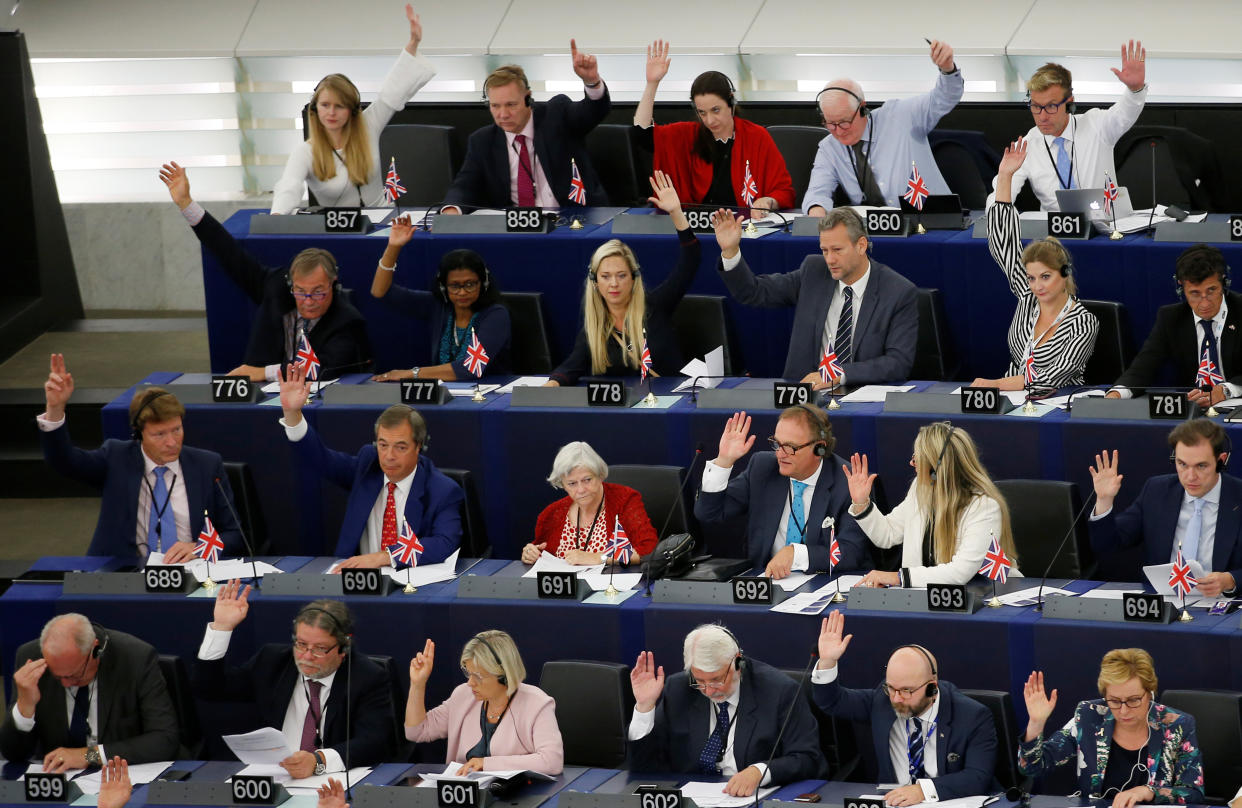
[1228, 520]
[821, 318]
[335, 707]
[286, 681]
[500, 165]
[819, 502]
[414, 502]
[744, 719]
[944, 720]
[194, 494]
[133, 482]
[545, 156]
[1168, 514]
[882, 718]
[873, 298]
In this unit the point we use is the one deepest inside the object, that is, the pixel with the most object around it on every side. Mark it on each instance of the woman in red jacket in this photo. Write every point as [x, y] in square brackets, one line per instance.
[582, 527]
[721, 159]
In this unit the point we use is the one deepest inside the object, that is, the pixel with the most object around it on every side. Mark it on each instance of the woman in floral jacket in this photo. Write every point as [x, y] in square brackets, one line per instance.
[1128, 747]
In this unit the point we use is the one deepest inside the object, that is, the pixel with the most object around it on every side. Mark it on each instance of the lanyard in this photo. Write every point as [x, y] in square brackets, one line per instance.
[1073, 144]
[1037, 337]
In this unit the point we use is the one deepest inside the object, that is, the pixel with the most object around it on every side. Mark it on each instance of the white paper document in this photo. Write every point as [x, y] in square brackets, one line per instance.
[450, 773]
[874, 393]
[793, 580]
[1030, 595]
[467, 390]
[37, 768]
[846, 582]
[550, 563]
[229, 569]
[274, 387]
[523, 381]
[139, 773]
[622, 582]
[804, 603]
[305, 785]
[1108, 594]
[711, 795]
[1158, 577]
[265, 746]
[425, 574]
[699, 371]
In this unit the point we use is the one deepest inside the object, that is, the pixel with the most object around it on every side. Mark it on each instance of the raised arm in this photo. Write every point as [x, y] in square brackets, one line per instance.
[657, 69]
[1004, 225]
[399, 236]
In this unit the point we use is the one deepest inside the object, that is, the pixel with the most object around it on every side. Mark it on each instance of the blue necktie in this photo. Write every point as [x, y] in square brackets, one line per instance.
[914, 745]
[162, 522]
[1064, 166]
[77, 722]
[795, 529]
[1190, 543]
[845, 327]
[709, 758]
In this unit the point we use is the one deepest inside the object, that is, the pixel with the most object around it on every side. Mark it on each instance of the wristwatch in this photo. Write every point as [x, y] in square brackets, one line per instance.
[92, 756]
[321, 765]
[415, 371]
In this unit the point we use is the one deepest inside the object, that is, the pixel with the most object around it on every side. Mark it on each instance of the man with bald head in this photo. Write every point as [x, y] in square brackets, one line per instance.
[85, 694]
[932, 740]
[867, 155]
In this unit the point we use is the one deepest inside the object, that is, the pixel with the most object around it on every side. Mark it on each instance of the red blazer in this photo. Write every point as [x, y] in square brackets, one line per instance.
[692, 176]
[618, 499]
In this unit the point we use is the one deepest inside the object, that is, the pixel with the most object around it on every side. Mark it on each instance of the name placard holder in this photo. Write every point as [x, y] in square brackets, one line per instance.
[304, 584]
[899, 599]
[1063, 607]
[582, 799]
[705, 593]
[104, 583]
[504, 587]
[549, 397]
[390, 797]
[163, 792]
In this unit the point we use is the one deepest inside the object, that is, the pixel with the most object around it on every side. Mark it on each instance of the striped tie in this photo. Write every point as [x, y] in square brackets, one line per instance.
[914, 745]
[844, 343]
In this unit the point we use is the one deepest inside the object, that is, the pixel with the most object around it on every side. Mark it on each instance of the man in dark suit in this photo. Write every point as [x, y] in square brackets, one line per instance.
[304, 693]
[795, 498]
[392, 486]
[1196, 343]
[303, 298]
[84, 694]
[155, 491]
[1197, 510]
[937, 743]
[729, 727]
[530, 155]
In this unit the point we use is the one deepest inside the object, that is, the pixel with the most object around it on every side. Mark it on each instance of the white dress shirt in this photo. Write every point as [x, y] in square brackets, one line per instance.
[716, 479]
[24, 724]
[838, 303]
[544, 198]
[1207, 539]
[375, 523]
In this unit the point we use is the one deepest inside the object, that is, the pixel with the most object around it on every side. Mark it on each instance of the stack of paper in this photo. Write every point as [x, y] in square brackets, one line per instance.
[704, 373]
[711, 795]
[425, 574]
[139, 773]
[550, 563]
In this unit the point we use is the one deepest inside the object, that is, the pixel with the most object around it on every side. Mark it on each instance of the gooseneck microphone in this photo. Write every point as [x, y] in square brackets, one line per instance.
[1039, 596]
[254, 568]
[797, 699]
[694, 385]
[1152, 216]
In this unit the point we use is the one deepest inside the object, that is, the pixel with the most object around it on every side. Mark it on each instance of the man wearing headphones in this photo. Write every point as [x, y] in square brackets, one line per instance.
[866, 157]
[930, 739]
[155, 491]
[1076, 151]
[533, 155]
[730, 726]
[796, 502]
[303, 298]
[393, 487]
[327, 717]
[83, 694]
[1196, 343]
[1195, 510]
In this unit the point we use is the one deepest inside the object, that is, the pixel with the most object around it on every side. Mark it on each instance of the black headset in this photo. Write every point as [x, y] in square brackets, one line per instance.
[357, 106]
[341, 628]
[1226, 450]
[731, 100]
[940, 460]
[135, 424]
[502, 679]
[1177, 282]
[484, 283]
[863, 110]
[821, 428]
[1070, 106]
[330, 267]
[739, 659]
[102, 637]
[931, 688]
[634, 270]
[525, 86]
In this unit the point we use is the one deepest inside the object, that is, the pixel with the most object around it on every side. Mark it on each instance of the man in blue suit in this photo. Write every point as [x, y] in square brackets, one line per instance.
[795, 498]
[393, 486]
[721, 717]
[937, 743]
[864, 310]
[1196, 510]
[155, 491]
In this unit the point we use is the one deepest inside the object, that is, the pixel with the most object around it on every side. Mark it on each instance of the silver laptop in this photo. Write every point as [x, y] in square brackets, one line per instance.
[1091, 202]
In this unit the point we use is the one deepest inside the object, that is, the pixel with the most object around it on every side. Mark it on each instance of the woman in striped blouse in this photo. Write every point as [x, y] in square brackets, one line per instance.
[1052, 335]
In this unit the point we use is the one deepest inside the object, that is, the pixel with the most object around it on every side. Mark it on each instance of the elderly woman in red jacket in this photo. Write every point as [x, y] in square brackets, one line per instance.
[580, 527]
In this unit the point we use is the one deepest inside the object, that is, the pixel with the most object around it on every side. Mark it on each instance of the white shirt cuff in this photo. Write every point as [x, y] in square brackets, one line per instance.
[802, 559]
[193, 213]
[820, 676]
[1095, 517]
[272, 372]
[715, 478]
[1231, 390]
[21, 722]
[641, 724]
[763, 769]
[929, 790]
[730, 263]
[295, 433]
[332, 760]
[1124, 392]
[595, 93]
[47, 426]
[215, 644]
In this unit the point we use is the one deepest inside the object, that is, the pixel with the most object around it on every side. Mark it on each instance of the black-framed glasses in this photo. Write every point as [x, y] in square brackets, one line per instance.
[787, 448]
[317, 295]
[463, 286]
[1051, 109]
[904, 692]
[1132, 702]
[317, 651]
[833, 126]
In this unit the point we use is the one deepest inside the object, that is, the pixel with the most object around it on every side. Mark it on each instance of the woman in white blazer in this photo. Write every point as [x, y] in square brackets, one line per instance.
[948, 519]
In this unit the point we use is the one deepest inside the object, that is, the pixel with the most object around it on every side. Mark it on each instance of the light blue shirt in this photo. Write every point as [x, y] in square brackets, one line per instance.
[1207, 539]
[896, 135]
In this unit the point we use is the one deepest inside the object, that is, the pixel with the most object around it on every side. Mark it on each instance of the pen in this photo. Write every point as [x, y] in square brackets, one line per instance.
[928, 41]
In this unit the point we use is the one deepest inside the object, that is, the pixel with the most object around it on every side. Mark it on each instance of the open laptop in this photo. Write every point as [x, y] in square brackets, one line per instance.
[1091, 202]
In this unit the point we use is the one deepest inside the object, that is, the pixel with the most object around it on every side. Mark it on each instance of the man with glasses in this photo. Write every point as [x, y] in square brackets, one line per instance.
[1076, 150]
[84, 694]
[402, 511]
[1196, 344]
[734, 732]
[930, 739]
[795, 498]
[1194, 511]
[304, 298]
[866, 157]
[308, 691]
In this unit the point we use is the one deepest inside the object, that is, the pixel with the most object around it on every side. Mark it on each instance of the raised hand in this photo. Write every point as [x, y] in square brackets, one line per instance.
[1106, 479]
[1039, 705]
[1133, 72]
[421, 664]
[859, 480]
[728, 229]
[58, 388]
[832, 640]
[232, 605]
[735, 440]
[402, 231]
[657, 61]
[584, 64]
[665, 194]
[294, 388]
[942, 55]
[647, 681]
[1015, 155]
[173, 176]
[416, 30]
[332, 795]
[114, 785]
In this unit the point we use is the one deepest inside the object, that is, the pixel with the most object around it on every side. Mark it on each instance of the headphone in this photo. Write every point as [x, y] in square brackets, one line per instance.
[516, 77]
[731, 99]
[1226, 450]
[355, 109]
[1177, 282]
[329, 265]
[932, 474]
[135, 425]
[422, 447]
[340, 628]
[931, 688]
[634, 270]
[821, 428]
[1070, 106]
[443, 287]
[862, 109]
[739, 659]
[1067, 263]
[98, 649]
[502, 679]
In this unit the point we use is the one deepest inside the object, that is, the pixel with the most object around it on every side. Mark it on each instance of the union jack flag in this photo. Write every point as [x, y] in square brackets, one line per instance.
[1180, 578]
[995, 563]
[829, 367]
[210, 545]
[577, 189]
[750, 190]
[307, 358]
[407, 548]
[476, 358]
[645, 364]
[1029, 375]
[1110, 194]
[392, 183]
[916, 190]
[834, 551]
[619, 546]
[1208, 375]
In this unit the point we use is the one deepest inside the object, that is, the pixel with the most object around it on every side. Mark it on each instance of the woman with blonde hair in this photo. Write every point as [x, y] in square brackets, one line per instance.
[948, 519]
[340, 161]
[621, 316]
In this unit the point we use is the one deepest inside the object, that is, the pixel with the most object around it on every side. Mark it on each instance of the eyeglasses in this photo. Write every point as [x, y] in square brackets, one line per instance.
[1132, 702]
[714, 684]
[787, 448]
[317, 651]
[1051, 109]
[464, 286]
[76, 677]
[316, 296]
[904, 692]
[476, 677]
[833, 126]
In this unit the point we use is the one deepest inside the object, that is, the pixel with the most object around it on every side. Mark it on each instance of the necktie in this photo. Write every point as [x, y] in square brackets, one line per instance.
[844, 342]
[914, 745]
[1209, 342]
[310, 727]
[713, 750]
[77, 723]
[795, 530]
[388, 534]
[871, 194]
[1194, 530]
[162, 525]
[1065, 168]
[525, 177]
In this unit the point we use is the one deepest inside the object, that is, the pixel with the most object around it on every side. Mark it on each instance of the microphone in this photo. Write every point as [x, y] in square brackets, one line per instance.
[1039, 596]
[349, 678]
[1021, 793]
[788, 714]
[694, 386]
[1153, 184]
[320, 378]
[241, 532]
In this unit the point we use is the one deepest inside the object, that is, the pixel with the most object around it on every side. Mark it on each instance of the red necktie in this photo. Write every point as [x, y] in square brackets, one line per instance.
[310, 727]
[525, 177]
[388, 534]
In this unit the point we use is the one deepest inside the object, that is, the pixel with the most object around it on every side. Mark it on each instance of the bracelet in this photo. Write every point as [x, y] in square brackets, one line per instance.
[387, 269]
[867, 510]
